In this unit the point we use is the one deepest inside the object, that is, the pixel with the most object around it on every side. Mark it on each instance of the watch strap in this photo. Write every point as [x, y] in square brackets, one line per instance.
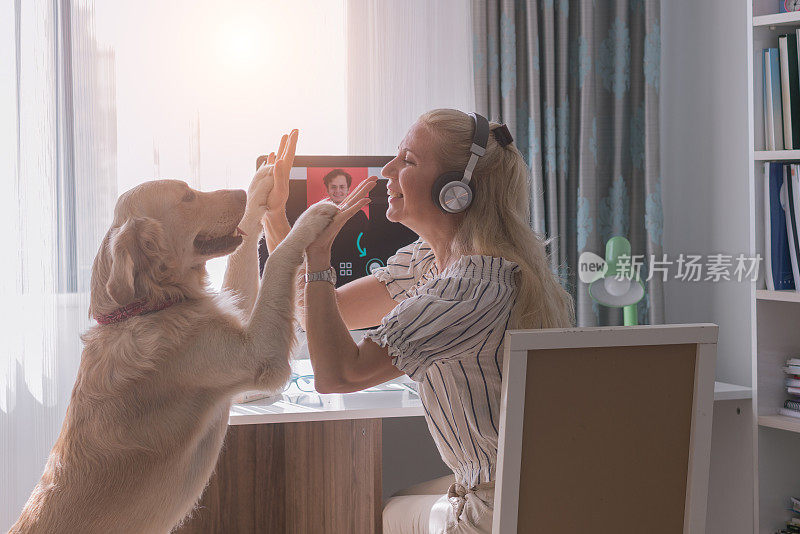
[328, 275]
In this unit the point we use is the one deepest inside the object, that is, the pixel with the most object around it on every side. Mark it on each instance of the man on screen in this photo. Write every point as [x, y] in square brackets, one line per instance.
[337, 183]
[345, 248]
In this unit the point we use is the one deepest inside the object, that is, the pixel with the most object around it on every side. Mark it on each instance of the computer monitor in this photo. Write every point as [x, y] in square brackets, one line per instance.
[368, 239]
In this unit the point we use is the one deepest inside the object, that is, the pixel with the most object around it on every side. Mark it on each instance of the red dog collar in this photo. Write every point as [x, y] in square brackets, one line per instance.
[139, 307]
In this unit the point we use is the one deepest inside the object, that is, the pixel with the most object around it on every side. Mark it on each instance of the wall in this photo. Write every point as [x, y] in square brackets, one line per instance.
[409, 454]
[706, 198]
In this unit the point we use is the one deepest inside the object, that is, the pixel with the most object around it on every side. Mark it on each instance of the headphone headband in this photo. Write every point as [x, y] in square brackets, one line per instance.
[480, 139]
[451, 191]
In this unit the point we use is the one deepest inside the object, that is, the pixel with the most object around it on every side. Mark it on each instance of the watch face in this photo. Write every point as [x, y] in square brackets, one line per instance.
[792, 5]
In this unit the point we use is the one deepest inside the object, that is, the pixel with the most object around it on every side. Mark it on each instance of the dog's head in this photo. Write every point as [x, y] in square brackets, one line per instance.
[162, 235]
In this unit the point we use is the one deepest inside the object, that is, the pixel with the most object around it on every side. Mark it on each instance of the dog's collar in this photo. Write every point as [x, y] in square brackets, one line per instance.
[138, 307]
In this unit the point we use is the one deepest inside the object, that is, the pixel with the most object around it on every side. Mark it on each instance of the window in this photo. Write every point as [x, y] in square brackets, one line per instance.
[203, 88]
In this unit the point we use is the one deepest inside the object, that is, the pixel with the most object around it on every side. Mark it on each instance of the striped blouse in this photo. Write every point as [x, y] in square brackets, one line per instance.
[446, 333]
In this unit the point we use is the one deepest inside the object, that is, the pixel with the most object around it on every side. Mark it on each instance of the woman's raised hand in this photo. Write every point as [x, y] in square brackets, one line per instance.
[269, 189]
[282, 164]
[357, 199]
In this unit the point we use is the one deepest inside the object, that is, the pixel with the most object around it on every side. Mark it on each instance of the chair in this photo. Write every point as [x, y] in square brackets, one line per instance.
[605, 430]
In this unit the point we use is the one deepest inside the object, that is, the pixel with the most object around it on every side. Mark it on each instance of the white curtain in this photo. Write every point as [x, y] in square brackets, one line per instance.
[95, 99]
[59, 130]
[404, 57]
[57, 182]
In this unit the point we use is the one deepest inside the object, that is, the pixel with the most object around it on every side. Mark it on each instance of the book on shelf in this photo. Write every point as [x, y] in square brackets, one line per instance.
[790, 197]
[776, 242]
[790, 90]
[773, 119]
[791, 369]
[793, 525]
[793, 382]
[789, 413]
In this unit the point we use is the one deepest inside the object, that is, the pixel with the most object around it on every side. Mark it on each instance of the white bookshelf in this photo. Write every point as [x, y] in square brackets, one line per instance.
[777, 155]
[777, 20]
[781, 422]
[725, 391]
[777, 313]
[712, 159]
[778, 296]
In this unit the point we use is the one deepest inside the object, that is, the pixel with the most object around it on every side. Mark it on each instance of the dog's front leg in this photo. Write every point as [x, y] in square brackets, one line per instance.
[241, 274]
[270, 331]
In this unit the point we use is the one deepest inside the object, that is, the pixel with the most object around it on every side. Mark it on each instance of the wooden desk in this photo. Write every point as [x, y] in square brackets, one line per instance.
[302, 463]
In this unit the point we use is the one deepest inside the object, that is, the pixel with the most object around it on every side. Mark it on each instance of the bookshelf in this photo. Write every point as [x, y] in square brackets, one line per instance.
[712, 160]
[779, 296]
[777, 155]
[777, 20]
[779, 421]
[776, 321]
[725, 391]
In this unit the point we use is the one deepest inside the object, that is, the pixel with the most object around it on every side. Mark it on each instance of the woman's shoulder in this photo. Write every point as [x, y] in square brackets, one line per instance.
[469, 272]
[416, 258]
[408, 267]
[415, 253]
[483, 267]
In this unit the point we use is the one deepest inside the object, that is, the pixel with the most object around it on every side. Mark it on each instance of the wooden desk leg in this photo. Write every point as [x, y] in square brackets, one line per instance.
[299, 478]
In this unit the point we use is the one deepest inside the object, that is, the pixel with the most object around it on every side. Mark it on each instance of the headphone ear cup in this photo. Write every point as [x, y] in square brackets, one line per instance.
[439, 184]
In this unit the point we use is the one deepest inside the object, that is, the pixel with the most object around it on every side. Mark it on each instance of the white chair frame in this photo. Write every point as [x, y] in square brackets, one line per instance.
[517, 345]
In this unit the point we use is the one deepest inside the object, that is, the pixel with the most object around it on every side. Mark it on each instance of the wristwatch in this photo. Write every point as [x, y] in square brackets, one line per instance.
[328, 275]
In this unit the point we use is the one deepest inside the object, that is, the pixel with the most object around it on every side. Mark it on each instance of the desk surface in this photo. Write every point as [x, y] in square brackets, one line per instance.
[387, 400]
[396, 398]
[297, 407]
[393, 399]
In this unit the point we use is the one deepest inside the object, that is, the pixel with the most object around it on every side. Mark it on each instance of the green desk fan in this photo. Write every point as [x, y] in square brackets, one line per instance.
[619, 287]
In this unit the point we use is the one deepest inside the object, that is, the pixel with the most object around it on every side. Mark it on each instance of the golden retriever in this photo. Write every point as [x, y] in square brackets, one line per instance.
[149, 409]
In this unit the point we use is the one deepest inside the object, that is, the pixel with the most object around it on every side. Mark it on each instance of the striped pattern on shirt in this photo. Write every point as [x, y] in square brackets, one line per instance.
[446, 333]
[410, 267]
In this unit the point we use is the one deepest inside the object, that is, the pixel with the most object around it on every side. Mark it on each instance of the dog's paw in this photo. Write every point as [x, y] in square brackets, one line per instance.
[260, 188]
[272, 376]
[312, 223]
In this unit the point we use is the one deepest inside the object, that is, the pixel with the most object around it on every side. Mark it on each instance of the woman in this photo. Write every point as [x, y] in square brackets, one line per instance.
[442, 304]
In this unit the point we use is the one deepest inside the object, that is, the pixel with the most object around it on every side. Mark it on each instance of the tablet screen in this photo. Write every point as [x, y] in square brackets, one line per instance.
[368, 239]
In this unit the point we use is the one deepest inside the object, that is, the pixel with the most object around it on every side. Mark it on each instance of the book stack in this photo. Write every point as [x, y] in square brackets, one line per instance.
[793, 525]
[782, 220]
[791, 407]
[773, 104]
[781, 94]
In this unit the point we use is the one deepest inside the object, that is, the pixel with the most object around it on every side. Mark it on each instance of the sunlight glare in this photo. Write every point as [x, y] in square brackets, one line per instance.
[238, 43]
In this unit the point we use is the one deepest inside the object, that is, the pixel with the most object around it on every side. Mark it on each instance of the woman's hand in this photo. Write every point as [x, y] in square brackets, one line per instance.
[318, 253]
[269, 188]
[281, 165]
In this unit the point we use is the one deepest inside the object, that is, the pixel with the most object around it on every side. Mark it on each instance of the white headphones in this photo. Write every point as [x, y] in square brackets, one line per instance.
[452, 191]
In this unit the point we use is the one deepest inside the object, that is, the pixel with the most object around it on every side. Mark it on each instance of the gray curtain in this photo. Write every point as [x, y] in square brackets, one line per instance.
[577, 83]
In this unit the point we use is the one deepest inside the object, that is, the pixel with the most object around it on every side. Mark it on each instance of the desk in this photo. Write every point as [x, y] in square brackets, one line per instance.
[302, 463]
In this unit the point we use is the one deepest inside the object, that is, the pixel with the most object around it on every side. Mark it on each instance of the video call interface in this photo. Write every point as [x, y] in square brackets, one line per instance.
[368, 239]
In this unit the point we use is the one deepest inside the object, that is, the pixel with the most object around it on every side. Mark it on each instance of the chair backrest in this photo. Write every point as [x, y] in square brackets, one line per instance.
[605, 430]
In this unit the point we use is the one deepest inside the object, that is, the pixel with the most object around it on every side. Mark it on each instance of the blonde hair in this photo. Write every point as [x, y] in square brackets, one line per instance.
[497, 223]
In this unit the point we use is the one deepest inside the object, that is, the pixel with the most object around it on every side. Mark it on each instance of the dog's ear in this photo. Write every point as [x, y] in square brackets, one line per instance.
[134, 247]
